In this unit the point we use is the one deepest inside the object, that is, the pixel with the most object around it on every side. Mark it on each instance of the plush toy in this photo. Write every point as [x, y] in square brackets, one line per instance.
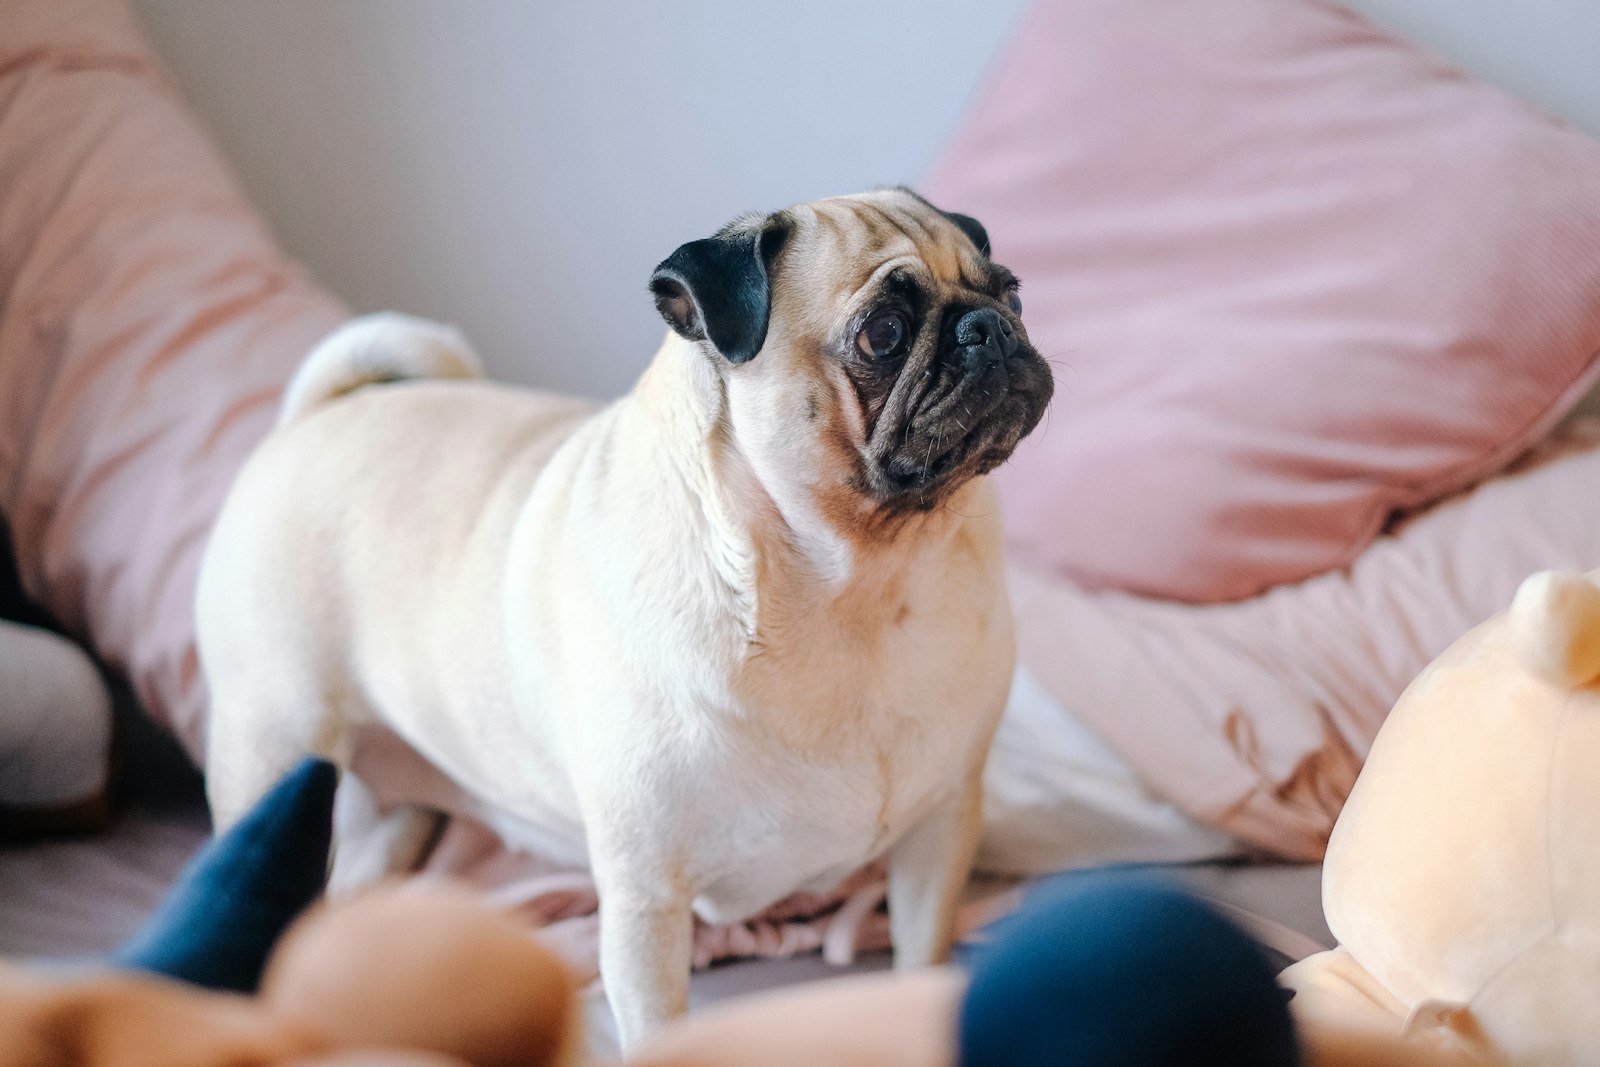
[413, 974]
[1100, 971]
[420, 974]
[1463, 877]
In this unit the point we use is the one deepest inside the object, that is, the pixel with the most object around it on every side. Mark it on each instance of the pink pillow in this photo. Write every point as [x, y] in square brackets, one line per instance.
[147, 325]
[1256, 716]
[1294, 276]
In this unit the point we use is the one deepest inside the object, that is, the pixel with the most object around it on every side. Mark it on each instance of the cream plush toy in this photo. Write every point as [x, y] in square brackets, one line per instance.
[1463, 877]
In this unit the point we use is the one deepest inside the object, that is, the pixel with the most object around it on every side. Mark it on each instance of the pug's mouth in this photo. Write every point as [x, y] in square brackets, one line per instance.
[902, 476]
[951, 431]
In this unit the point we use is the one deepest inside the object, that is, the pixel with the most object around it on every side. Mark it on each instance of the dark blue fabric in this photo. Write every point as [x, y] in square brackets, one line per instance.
[217, 926]
[1119, 970]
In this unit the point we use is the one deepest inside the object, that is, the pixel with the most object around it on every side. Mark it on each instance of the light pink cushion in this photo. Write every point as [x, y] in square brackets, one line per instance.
[147, 325]
[1257, 715]
[1293, 275]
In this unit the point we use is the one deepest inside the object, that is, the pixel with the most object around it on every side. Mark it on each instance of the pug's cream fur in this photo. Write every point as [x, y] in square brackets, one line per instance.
[675, 635]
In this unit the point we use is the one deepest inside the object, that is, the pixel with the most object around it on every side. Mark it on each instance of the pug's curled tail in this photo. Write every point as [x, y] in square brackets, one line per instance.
[386, 347]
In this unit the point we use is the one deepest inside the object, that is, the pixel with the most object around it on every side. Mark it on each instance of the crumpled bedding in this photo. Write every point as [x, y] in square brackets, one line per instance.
[1255, 716]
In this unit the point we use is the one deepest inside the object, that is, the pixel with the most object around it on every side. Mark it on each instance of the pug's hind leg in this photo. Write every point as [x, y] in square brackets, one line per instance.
[250, 746]
[928, 869]
[369, 843]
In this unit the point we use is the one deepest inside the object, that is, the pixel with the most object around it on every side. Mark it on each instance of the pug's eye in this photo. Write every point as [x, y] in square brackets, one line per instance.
[884, 335]
[1014, 301]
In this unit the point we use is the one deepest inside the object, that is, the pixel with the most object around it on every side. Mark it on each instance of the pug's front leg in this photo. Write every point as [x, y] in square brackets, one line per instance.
[646, 947]
[928, 869]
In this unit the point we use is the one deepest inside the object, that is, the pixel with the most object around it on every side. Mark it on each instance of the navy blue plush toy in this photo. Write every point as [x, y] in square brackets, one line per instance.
[219, 923]
[1119, 971]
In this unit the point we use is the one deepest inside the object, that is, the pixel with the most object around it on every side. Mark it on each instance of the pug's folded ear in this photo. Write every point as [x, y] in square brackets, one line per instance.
[972, 228]
[965, 223]
[716, 289]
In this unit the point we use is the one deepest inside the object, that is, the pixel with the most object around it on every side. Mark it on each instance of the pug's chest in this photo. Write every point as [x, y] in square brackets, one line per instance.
[785, 828]
[896, 706]
[832, 778]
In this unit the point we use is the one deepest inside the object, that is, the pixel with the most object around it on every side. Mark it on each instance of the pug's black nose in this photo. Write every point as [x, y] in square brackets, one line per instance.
[985, 338]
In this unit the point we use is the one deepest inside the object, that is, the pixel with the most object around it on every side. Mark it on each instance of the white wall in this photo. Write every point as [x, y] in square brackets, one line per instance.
[1545, 51]
[518, 167]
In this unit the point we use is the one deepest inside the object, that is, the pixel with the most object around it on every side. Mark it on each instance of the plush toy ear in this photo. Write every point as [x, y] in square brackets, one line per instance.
[717, 290]
[1555, 621]
[219, 923]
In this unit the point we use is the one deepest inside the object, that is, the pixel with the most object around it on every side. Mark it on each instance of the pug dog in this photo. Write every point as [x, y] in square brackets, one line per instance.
[730, 637]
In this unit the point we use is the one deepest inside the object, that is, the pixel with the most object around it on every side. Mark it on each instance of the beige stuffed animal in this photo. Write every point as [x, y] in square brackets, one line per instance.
[1463, 877]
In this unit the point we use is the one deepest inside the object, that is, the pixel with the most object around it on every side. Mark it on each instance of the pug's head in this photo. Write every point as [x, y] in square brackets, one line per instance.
[870, 352]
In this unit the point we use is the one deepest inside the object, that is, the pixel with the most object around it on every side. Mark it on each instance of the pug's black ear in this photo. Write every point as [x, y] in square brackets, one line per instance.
[965, 223]
[972, 228]
[716, 289]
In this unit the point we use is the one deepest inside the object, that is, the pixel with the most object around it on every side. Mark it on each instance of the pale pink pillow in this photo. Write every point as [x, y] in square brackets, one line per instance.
[1256, 716]
[1294, 276]
[147, 325]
